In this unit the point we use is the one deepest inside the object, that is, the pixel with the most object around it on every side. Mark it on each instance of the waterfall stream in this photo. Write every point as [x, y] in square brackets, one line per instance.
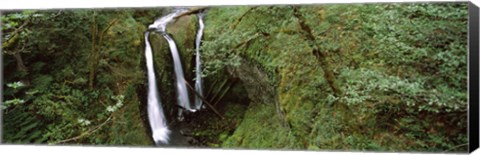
[181, 86]
[157, 119]
[198, 69]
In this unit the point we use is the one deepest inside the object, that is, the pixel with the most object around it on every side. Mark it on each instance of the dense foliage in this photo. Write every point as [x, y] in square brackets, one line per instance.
[77, 77]
[384, 77]
[401, 69]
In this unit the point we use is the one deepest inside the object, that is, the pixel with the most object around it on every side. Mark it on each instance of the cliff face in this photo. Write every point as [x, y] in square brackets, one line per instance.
[325, 77]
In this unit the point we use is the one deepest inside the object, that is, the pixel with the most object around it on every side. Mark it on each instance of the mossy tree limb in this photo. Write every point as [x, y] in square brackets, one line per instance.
[12, 41]
[14, 35]
[234, 25]
[346, 114]
[319, 55]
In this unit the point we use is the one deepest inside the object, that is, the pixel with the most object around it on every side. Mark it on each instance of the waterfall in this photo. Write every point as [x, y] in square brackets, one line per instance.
[156, 116]
[161, 25]
[157, 120]
[181, 86]
[198, 69]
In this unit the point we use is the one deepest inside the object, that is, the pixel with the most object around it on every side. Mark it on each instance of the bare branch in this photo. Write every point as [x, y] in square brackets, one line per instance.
[85, 133]
[208, 103]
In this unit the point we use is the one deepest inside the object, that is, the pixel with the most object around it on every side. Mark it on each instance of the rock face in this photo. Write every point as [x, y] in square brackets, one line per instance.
[255, 82]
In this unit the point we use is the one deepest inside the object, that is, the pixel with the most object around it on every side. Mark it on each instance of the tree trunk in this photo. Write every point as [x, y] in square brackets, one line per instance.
[320, 56]
[329, 76]
[20, 65]
[93, 52]
[97, 40]
[346, 113]
[11, 42]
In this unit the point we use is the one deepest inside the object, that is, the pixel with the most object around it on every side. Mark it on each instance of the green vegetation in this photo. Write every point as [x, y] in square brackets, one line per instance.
[74, 76]
[388, 77]
[377, 77]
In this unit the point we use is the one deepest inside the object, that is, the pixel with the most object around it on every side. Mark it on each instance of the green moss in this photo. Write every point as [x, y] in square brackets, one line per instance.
[261, 129]
[127, 127]
[379, 80]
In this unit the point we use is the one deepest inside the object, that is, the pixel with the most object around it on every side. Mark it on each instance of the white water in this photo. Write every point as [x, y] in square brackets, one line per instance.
[161, 25]
[198, 69]
[181, 86]
[157, 120]
[156, 117]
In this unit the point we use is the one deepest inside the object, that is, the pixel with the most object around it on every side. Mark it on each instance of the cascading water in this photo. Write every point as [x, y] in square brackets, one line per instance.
[198, 69]
[161, 25]
[181, 86]
[156, 116]
[157, 119]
